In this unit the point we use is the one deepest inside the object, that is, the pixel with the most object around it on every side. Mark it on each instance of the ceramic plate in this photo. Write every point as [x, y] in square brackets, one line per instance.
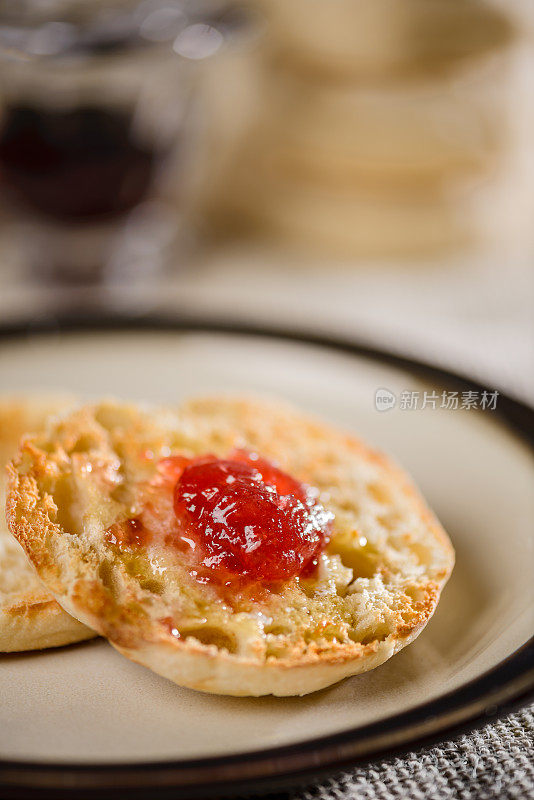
[84, 717]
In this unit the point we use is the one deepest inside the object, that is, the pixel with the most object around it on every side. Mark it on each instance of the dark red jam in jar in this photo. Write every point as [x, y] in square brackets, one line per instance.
[234, 519]
[74, 165]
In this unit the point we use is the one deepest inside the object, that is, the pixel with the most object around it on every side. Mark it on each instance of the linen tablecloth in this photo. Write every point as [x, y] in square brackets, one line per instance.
[493, 763]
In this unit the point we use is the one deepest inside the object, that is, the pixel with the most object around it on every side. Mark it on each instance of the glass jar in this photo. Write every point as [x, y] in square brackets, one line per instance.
[97, 131]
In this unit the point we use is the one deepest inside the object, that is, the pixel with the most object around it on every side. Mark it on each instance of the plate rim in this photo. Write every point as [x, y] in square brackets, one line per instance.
[507, 686]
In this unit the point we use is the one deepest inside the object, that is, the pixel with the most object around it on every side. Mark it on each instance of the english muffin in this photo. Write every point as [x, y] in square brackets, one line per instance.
[30, 618]
[235, 546]
[384, 40]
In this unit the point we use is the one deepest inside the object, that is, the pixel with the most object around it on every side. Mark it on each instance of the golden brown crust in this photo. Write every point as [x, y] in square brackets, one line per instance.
[30, 617]
[378, 584]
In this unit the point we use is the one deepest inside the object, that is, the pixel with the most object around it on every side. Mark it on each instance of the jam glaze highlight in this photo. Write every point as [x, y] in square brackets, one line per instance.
[236, 522]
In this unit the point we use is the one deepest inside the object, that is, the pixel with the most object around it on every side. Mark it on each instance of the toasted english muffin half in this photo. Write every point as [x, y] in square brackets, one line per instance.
[30, 618]
[376, 586]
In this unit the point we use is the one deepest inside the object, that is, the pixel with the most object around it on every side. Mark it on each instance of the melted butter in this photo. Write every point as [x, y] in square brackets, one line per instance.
[357, 554]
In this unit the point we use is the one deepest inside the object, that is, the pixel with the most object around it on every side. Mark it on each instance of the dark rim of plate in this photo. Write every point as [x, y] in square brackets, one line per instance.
[504, 688]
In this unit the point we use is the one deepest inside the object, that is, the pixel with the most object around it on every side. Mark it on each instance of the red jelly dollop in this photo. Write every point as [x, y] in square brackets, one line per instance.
[246, 517]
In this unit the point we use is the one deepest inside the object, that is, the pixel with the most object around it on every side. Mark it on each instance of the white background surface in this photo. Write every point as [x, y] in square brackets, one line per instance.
[472, 314]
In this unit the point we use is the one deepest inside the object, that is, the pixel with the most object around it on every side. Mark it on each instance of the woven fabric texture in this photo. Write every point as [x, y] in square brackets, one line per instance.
[493, 763]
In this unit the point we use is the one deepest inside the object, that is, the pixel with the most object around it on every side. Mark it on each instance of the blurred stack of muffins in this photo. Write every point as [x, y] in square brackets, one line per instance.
[380, 128]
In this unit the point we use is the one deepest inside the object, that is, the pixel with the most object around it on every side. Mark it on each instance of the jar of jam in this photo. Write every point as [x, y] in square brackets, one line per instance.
[97, 129]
